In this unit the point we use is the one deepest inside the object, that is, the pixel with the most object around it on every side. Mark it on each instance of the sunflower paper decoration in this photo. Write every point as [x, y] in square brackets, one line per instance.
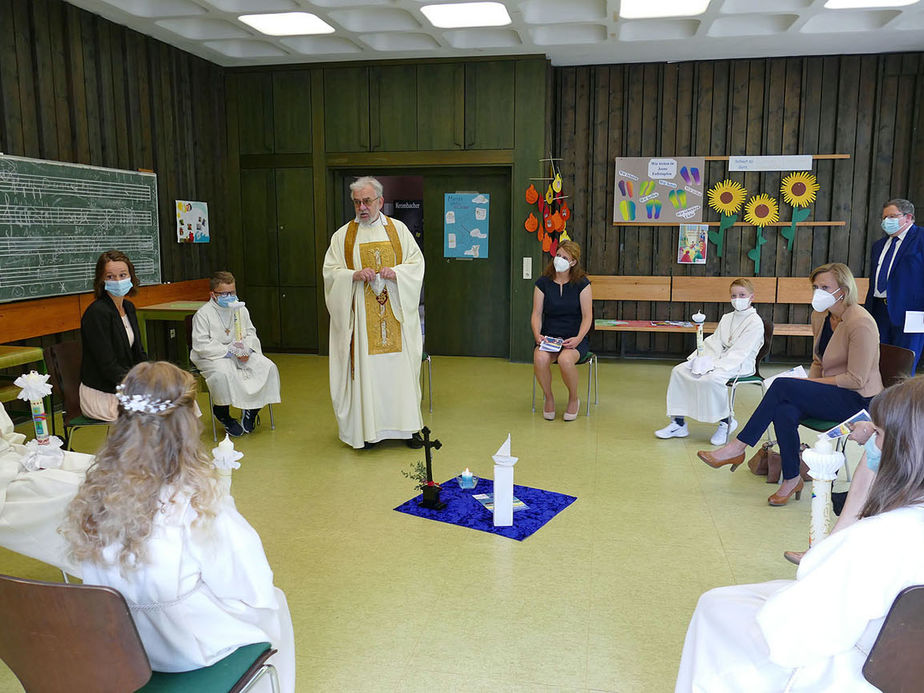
[761, 210]
[725, 198]
[798, 189]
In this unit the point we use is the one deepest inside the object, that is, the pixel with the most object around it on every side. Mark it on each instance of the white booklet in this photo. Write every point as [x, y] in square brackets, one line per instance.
[797, 372]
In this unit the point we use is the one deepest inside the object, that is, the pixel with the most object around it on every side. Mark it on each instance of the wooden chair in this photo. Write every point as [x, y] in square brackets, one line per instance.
[590, 358]
[58, 637]
[895, 665]
[64, 366]
[756, 379]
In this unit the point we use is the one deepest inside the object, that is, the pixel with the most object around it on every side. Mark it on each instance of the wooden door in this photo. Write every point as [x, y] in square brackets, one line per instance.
[468, 301]
[346, 109]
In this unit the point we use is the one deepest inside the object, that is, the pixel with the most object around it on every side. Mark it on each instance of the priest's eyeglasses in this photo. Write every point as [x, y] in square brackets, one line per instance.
[365, 202]
[226, 294]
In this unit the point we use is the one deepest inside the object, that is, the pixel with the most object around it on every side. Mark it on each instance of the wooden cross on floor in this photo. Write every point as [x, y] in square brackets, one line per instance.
[427, 445]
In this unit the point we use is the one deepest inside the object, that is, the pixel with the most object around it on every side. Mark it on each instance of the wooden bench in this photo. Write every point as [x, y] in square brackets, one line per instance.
[684, 289]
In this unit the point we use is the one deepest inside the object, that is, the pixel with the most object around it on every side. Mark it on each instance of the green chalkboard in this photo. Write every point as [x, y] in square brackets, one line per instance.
[56, 218]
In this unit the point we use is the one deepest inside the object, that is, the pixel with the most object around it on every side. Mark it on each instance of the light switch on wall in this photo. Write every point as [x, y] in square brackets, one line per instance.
[527, 268]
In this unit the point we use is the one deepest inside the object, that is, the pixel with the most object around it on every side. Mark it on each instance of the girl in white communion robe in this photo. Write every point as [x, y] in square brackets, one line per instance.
[814, 633]
[32, 501]
[154, 522]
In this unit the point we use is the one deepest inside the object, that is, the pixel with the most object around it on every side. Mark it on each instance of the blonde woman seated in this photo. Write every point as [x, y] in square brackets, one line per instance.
[561, 319]
[813, 633]
[697, 387]
[152, 520]
[843, 378]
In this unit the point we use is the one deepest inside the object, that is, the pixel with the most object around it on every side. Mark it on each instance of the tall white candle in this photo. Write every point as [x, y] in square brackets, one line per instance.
[503, 485]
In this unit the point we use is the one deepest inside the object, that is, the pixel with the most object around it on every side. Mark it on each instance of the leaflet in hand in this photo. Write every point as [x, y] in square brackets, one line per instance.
[843, 428]
[797, 372]
[551, 344]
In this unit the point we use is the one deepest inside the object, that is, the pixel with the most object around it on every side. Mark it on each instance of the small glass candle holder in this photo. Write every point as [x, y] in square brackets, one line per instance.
[467, 480]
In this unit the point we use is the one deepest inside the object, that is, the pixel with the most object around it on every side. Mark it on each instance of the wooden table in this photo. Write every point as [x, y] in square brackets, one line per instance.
[171, 311]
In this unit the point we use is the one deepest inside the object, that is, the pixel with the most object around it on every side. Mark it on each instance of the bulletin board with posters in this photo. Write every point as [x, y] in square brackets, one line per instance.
[658, 190]
[465, 225]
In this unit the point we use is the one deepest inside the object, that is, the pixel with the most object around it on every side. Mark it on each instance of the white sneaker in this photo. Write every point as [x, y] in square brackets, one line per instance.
[722, 433]
[673, 430]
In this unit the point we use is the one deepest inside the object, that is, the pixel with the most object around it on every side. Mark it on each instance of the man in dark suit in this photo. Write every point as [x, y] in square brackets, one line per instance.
[896, 276]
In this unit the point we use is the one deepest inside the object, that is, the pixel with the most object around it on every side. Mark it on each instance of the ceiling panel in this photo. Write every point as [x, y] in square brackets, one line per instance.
[568, 32]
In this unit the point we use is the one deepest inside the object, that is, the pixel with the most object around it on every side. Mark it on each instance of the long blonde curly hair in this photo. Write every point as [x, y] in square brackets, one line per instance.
[145, 453]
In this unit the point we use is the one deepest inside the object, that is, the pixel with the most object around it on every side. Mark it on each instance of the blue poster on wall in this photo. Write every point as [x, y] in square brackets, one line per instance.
[465, 225]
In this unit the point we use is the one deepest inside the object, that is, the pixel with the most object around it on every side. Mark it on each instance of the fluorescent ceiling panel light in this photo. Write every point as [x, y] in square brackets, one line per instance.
[466, 14]
[287, 24]
[647, 9]
[865, 4]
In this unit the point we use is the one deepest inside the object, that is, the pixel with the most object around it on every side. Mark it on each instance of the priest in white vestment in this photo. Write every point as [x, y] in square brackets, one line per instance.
[373, 273]
[698, 386]
[814, 633]
[226, 349]
[32, 503]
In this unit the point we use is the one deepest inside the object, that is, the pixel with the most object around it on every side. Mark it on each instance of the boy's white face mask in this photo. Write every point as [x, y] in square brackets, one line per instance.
[741, 303]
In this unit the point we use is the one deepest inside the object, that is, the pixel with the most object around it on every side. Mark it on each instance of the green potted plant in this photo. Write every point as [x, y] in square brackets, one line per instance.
[429, 488]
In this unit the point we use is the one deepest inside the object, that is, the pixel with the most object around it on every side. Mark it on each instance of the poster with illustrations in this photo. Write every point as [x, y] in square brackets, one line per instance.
[691, 244]
[465, 225]
[192, 222]
[658, 190]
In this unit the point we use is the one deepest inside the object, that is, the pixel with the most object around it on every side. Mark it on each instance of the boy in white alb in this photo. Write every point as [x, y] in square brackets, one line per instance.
[226, 349]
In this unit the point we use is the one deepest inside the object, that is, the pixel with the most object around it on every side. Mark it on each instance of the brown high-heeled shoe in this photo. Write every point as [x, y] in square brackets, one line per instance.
[794, 556]
[777, 499]
[707, 457]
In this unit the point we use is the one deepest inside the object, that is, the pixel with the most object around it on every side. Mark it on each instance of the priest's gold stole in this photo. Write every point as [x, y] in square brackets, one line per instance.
[383, 331]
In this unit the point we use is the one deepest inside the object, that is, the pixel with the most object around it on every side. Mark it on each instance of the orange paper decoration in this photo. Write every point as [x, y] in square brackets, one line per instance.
[531, 223]
[532, 194]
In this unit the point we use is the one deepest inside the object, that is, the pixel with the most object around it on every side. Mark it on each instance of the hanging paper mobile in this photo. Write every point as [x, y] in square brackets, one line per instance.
[554, 213]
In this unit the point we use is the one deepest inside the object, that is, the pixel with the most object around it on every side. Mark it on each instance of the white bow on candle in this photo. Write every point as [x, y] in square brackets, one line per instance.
[225, 457]
[34, 386]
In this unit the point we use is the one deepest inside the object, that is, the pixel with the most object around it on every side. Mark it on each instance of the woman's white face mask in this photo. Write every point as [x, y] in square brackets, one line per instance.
[741, 303]
[822, 300]
[561, 264]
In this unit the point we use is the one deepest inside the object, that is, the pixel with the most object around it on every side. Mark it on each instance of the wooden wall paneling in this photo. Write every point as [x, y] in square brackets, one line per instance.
[11, 124]
[346, 109]
[393, 103]
[169, 184]
[754, 143]
[489, 106]
[255, 112]
[738, 240]
[832, 238]
[634, 90]
[294, 195]
[703, 79]
[865, 214]
[23, 33]
[846, 247]
[91, 87]
[683, 146]
[44, 79]
[117, 48]
[59, 67]
[258, 223]
[440, 106]
[108, 137]
[77, 94]
[613, 234]
[664, 238]
[291, 111]
[904, 118]
[916, 167]
[772, 141]
[233, 185]
[599, 229]
[322, 181]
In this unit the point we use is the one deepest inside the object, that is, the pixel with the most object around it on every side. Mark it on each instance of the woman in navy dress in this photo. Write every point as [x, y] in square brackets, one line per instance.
[561, 309]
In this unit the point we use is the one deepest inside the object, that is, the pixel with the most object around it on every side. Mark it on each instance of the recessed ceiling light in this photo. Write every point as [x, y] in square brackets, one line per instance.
[646, 9]
[287, 23]
[865, 4]
[466, 14]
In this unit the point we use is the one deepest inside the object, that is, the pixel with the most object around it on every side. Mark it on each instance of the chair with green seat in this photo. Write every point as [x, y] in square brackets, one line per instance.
[756, 379]
[58, 637]
[590, 358]
[64, 365]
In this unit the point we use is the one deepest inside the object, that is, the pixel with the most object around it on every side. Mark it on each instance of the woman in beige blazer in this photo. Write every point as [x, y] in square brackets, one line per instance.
[844, 377]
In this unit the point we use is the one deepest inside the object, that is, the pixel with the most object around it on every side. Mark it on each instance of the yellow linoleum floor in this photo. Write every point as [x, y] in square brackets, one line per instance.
[597, 600]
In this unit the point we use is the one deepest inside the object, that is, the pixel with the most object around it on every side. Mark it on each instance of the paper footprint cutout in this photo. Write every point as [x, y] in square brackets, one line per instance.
[629, 188]
[627, 209]
[656, 207]
[622, 187]
[682, 197]
[647, 188]
[672, 196]
[685, 175]
[695, 173]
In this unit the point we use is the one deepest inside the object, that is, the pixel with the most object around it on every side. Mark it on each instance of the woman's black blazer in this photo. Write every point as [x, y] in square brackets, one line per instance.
[107, 357]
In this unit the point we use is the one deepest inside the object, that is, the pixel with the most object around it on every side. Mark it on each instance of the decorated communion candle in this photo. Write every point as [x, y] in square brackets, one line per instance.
[699, 319]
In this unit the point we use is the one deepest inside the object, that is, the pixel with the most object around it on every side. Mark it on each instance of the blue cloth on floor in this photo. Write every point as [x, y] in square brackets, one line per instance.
[463, 510]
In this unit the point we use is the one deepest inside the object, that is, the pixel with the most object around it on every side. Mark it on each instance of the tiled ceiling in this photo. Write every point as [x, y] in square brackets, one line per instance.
[569, 32]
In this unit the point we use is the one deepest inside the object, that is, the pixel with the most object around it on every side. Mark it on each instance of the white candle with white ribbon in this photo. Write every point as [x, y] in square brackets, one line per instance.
[823, 462]
[699, 319]
[35, 388]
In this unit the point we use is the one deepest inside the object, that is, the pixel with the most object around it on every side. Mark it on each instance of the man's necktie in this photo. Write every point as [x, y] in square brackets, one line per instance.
[883, 277]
